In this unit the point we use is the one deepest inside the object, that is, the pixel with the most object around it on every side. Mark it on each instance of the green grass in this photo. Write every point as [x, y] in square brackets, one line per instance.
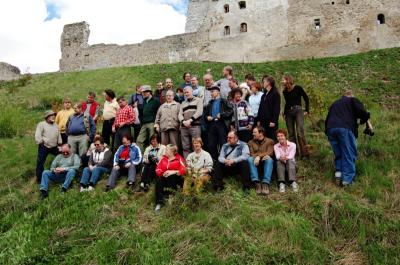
[321, 225]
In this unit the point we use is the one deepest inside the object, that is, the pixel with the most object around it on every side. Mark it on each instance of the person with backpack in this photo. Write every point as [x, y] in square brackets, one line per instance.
[81, 130]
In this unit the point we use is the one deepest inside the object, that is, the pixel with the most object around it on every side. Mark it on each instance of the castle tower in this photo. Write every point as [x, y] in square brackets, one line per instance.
[73, 39]
[197, 13]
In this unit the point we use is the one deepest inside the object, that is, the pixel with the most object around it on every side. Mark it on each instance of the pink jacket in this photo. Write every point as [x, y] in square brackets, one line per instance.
[289, 151]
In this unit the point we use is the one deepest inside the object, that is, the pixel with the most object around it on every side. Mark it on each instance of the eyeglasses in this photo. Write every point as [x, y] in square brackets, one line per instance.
[65, 153]
[230, 137]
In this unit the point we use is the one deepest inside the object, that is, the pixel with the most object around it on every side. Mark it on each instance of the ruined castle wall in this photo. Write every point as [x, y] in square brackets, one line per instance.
[8, 72]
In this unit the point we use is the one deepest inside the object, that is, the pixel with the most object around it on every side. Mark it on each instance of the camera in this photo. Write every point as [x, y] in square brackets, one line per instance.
[368, 129]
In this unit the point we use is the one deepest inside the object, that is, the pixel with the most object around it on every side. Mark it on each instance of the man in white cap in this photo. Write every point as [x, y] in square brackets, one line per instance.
[47, 137]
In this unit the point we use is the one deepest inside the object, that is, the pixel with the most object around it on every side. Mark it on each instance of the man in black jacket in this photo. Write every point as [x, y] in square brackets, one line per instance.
[270, 107]
[218, 113]
[341, 127]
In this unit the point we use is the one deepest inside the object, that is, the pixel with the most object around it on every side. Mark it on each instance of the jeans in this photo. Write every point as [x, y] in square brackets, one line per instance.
[268, 166]
[116, 172]
[344, 147]
[67, 177]
[43, 152]
[295, 125]
[92, 176]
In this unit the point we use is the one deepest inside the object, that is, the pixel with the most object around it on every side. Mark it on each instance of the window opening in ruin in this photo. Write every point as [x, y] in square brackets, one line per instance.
[317, 23]
[227, 30]
[242, 4]
[226, 8]
[243, 27]
[358, 40]
[381, 19]
[333, 3]
[347, 2]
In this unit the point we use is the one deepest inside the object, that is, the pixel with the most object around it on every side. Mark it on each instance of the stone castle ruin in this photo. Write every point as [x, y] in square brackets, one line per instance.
[9, 72]
[249, 31]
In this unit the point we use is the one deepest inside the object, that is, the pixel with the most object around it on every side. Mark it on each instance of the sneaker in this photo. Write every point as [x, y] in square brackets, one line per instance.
[338, 178]
[282, 188]
[82, 189]
[43, 194]
[158, 208]
[258, 188]
[131, 185]
[146, 188]
[91, 188]
[295, 186]
[265, 189]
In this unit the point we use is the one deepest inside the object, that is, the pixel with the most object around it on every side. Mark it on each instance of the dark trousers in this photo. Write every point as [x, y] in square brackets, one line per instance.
[149, 172]
[222, 171]
[43, 152]
[217, 133]
[270, 132]
[107, 133]
[121, 132]
[245, 135]
[136, 131]
[64, 138]
[172, 182]
[295, 125]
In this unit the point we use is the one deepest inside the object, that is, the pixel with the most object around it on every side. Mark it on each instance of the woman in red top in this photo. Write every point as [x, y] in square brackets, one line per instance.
[170, 171]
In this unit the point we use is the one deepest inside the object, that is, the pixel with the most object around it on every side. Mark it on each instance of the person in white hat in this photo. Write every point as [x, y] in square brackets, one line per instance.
[47, 137]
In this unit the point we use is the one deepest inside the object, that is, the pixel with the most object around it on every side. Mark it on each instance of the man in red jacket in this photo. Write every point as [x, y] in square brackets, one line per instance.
[170, 171]
[91, 107]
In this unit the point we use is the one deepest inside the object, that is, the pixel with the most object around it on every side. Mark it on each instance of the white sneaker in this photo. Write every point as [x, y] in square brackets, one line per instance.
[83, 189]
[295, 186]
[158, 208]
[282, 188]
[90, 188]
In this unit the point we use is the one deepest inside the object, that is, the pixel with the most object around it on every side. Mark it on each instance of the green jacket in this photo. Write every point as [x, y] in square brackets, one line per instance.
[71, 162]
[150, 108]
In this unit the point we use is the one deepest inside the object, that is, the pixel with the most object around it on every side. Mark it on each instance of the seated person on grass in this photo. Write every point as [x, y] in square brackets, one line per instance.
[200, 166]
[62, 170]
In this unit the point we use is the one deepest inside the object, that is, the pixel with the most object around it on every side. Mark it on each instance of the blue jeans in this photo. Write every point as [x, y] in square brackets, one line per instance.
[344, 147]
[92, 176]
[268, 166]
[66, 177]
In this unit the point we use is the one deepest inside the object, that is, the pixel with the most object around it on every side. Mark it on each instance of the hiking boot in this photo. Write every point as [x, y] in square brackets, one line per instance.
[282, 188]
[265, 189]
[258, 188]
[295, 186]
[43, 194]
[131, 185]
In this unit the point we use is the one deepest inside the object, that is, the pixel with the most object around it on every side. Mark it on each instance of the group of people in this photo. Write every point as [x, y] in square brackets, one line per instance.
[189, 136]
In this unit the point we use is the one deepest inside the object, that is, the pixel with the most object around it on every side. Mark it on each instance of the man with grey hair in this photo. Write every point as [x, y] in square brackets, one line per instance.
[190, 113]
[150, 108]
[167, 123]
[208, 83]
[224, 82]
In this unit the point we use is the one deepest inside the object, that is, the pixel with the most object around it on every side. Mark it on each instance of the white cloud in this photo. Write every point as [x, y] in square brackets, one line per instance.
[28, 41]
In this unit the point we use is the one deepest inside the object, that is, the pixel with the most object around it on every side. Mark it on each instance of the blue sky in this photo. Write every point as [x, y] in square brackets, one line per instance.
[52, 11]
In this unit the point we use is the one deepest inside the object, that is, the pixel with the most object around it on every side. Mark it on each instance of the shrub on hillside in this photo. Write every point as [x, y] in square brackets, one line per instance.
[12, 122]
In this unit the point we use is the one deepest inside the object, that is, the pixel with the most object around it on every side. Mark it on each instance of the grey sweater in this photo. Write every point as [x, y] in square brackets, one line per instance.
[47, 134]
[67, 163]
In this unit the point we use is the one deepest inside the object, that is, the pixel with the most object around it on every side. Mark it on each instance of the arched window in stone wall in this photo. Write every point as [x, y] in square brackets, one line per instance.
[381, 19]
[242, 4]
[227, 30]
[243, 27]
[317, 24]
[226, 8]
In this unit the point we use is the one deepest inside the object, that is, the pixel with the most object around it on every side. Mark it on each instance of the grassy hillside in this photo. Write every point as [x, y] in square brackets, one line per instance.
[322, 224]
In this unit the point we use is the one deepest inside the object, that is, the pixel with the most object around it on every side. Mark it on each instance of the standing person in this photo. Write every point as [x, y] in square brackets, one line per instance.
[124, 118]
[223, 83]
[294, 114]
[152, 155]
[127, 157]
[218, 115]
[81, 130]
[136, 101]
[250, 80]
[62, 170]
[100, 162]
[285, 152]
[190, 113]
[243, 119]
[200, 166]
[159, 93]
[232, 161]
[198, 91]
[255, 99]
[167, 122]
[179, 97]
[233, 84]
[270, 107]
[261, 151]
[169, 85]
[208, 83]
[170, 171]
[91, 107]
[150, 108]
[341, 127]
[245, 91]
[109, 112]
[62, 119]
[187, 80]
[47, 137]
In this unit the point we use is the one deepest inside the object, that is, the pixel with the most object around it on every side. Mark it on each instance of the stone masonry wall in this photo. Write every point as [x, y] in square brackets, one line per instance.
[8, 72]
